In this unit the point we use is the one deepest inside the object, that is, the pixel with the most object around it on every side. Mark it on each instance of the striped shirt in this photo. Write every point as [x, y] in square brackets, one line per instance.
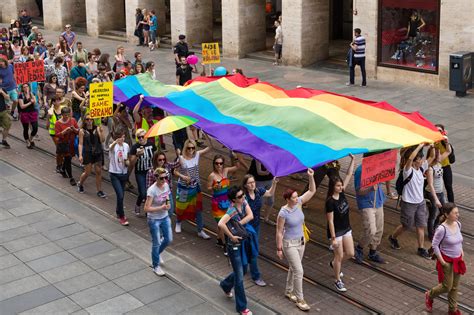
[360, 50]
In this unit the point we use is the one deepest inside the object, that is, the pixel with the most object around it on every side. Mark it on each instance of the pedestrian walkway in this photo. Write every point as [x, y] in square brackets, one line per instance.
[58, 255]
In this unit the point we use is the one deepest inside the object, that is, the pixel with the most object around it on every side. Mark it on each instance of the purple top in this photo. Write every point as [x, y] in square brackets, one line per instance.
[450, 244]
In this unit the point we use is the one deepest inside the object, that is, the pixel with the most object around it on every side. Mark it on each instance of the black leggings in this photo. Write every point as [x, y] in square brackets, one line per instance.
[34, 130]
[448, 182]
[67, 166]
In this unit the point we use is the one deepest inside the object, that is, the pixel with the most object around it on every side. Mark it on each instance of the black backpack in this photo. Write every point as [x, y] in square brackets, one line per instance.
[400, 183]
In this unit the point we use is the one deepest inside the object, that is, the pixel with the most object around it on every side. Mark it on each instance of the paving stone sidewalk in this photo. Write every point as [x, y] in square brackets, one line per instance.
[59, 256]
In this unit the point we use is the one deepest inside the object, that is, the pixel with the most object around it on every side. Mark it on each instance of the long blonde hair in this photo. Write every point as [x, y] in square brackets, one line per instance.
[185, 147]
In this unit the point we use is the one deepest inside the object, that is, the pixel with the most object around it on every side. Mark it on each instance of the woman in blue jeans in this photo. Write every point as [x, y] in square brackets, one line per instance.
[238, 250]
[254, 196]
[141, 158]
[157, 205]
[118, 171]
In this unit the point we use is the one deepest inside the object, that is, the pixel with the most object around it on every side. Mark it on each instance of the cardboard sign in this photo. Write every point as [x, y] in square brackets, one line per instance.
[378, 168]
[101, 99]
[31, 71]
[210, 53]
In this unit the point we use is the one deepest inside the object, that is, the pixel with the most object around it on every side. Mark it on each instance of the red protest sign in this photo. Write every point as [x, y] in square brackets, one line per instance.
[378, 168]
[31, 71]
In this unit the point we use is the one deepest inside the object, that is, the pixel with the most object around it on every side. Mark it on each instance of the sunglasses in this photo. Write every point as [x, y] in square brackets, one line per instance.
[160, 177]
[161, 160]
[218, 163]
[239, 196]
[141, 137]
[191, 148]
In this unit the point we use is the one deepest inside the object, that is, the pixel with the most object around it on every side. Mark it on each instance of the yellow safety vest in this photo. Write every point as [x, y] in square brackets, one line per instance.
[52, 124]
[146, 127]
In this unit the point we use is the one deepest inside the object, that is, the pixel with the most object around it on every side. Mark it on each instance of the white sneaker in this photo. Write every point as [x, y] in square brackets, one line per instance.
[177, 227]
[158, 271]
[203, 235]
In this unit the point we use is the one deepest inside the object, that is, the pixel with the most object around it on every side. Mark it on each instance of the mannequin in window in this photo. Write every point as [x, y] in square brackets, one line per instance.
[415, 24]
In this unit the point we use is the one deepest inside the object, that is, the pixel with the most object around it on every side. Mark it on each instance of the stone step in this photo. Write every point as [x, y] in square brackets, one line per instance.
[116, 33]
[112, 37]
[265, 55]
[38, 21]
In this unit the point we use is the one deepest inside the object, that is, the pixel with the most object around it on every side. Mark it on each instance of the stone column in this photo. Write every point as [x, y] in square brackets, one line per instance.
[62, 12]
[10, 9]
[305, 25]
[130, 9]
[104, 15]
[243, 27]
[192, 18]
[367, 20]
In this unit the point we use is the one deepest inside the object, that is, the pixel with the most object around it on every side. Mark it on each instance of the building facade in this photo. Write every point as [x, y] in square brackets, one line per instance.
[405, 38]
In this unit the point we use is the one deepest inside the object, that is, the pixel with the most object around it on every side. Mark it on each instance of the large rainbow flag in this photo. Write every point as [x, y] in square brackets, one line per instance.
[287, 130]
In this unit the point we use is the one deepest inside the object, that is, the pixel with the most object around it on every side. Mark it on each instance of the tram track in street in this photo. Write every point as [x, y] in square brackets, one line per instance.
[308, 279]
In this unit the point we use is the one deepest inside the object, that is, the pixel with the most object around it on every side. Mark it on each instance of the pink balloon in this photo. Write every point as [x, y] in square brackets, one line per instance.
[192, 59]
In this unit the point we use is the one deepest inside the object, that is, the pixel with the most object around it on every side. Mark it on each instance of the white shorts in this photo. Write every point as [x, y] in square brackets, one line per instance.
[339, 238]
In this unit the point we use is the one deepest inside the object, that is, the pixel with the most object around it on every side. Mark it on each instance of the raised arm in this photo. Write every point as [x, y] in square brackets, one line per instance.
[272, 189]
[208, 148]
[349, 173]
[312, 187]
[412, 156]
[136, 115]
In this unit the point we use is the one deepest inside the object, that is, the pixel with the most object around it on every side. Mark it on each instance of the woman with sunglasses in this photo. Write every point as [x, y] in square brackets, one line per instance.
[28, 114]
[90, 150]
[159, 160]
[237, 248]
[141, 156]
[188, 193]
[157, 205]
[218, 184]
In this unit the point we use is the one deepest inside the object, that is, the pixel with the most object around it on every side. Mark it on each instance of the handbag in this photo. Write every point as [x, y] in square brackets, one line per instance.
[452, 157]
[306, 233]
[237, 229]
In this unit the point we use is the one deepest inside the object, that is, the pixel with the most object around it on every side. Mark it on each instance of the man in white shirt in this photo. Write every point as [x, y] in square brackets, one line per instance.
[277, 46]
[413, 207]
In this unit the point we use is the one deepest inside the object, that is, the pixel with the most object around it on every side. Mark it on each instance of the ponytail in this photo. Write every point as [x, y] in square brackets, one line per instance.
[445, 211]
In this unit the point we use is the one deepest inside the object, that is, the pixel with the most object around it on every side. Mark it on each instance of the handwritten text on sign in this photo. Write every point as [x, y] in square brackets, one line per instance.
[101, 96]
[378, 168]
[210, 53]
[31, 71]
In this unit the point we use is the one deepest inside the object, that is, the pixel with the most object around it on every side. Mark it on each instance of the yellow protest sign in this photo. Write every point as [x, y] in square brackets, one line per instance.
[101, 99]
[210, 53]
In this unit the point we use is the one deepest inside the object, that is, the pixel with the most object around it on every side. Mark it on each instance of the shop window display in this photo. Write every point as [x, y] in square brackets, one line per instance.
[408, 34]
